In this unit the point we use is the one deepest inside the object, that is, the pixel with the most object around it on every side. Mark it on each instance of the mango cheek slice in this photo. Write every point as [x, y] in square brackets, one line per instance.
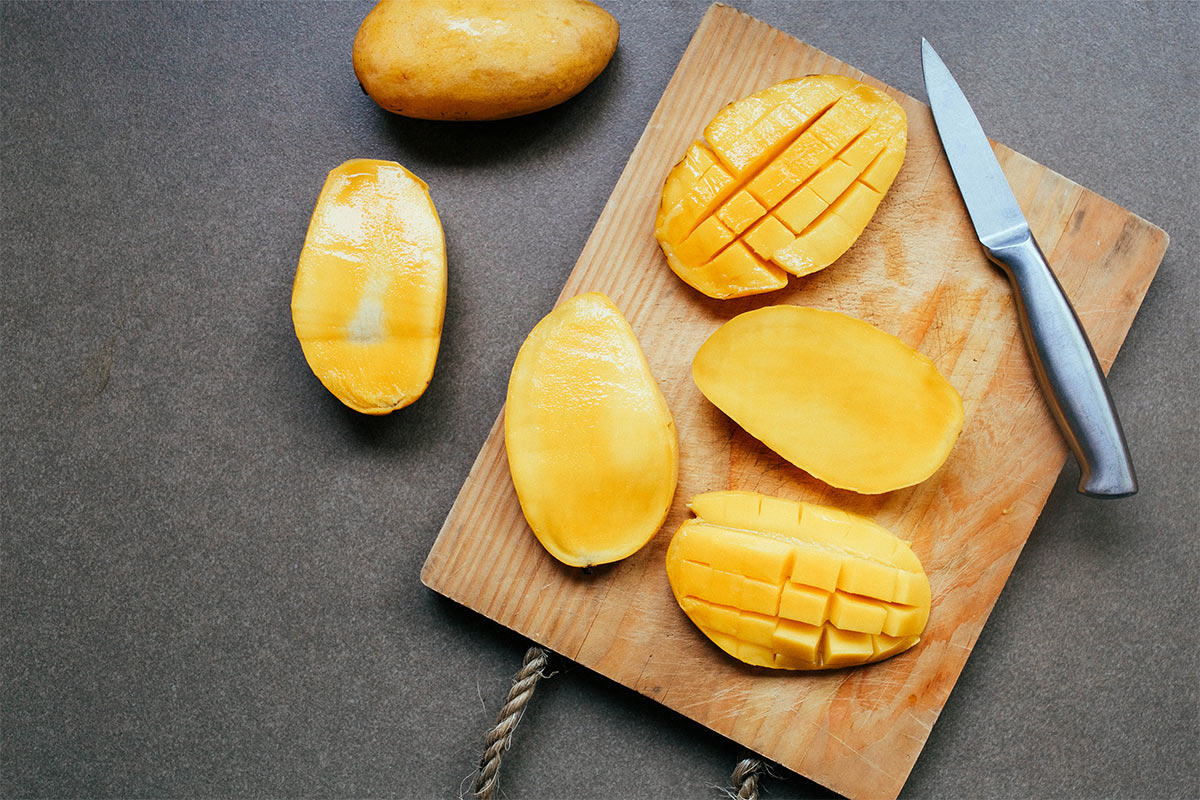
[787, 585]
[591, 443]
[836, 396]
[370, 288]
[786, 181]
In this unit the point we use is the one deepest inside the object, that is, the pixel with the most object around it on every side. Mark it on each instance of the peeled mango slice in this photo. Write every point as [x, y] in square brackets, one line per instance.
[370, 289]
[787, 181]
[839, 398]
[591, 443]
[790, 585]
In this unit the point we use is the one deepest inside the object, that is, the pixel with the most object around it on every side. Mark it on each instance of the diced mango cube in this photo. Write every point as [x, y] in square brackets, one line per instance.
[857, 205]
[904, 620]
[803, 159]
[756, 629]
[817, 567]
[769, 236]
[760, 597]
[868, 578]
[862, 151]
[798, 640]
[845, 648]
[725, 588]
[804, 604]
[695, 579]
[799, 210]
[890, 645]
[832, 180]
[773, 183]
[882, 171]
[912, 589]
[851, 613]
[740, 212]
[704, 242]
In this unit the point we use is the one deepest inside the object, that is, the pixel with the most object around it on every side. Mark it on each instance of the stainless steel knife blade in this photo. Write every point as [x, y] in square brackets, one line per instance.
[1063, 359]
[990, 201]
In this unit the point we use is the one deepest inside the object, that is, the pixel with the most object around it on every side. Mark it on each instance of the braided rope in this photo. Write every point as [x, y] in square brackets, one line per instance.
[499, 738]
[745, 778]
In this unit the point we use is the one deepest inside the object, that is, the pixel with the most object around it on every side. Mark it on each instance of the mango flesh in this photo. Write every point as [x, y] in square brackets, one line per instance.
[480, 59]
[775, 583]
[789, 178]
[836, 396]
[370, 288]
[591, 443]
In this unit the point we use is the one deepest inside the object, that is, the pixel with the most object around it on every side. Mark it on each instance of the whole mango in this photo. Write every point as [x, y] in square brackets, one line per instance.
[480, 59]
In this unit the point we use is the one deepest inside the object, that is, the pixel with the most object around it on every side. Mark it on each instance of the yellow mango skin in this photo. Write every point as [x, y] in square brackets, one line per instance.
[786, 182]
[370, 288]
[591, 443]
[480, 59]
[839, 398]
[787, 585]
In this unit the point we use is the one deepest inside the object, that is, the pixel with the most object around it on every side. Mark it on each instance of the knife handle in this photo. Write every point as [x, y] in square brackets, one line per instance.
[1068, 371]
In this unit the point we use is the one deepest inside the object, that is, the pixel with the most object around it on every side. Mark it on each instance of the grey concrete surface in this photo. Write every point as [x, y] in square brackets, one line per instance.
[209, 574]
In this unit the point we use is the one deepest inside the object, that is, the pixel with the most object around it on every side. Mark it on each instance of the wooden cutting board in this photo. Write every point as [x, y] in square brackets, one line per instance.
[917, 272]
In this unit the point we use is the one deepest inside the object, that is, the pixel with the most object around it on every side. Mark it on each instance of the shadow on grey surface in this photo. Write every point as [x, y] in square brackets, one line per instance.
[545, 721]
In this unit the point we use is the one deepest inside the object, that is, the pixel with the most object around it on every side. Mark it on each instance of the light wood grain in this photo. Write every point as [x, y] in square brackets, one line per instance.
[917, 272]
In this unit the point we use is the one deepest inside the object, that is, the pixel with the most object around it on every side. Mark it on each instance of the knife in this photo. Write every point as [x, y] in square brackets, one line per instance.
[1063, 358]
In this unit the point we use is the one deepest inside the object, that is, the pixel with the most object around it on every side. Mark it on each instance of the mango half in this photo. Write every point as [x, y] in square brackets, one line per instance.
[591, 443]
[839, 398]
[790, 585]
[370, 288]
[788, 180]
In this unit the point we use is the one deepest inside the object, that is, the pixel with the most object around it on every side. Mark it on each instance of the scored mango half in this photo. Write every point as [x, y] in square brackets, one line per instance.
[785, 182]
[842, 400]
[788, 585]
[370, 289]
[591, 443]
